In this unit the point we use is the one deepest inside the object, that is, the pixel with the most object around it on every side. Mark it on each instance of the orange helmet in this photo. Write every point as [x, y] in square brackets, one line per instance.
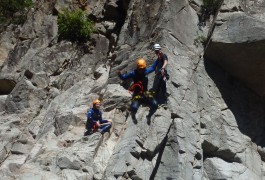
[141, 63]
[95, 102]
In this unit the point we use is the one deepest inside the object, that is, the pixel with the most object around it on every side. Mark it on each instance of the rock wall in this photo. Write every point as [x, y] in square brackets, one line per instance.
[213, 127]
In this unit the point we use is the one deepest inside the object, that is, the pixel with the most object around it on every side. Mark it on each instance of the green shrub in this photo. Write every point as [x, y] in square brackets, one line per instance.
[12, 6]
[9, 7]
[2, 19]
[74, 26]
[200, 39]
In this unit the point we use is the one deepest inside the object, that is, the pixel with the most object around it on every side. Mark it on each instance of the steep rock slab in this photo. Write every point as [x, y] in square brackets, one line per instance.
[187, 162]
[7, 43]
[2, 102]
[168, 160]
[167, 24]
[109, 142]
[136, 154]
[25, 96]
[237, 44]
[65, 111]
[71, 104]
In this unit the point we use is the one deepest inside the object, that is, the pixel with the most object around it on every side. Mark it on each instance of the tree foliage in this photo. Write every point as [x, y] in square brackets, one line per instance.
[9, 7]
[74, 26]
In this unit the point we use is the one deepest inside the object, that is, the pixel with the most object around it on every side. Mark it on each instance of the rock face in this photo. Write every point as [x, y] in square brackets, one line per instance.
[213, 127]
[237, 43]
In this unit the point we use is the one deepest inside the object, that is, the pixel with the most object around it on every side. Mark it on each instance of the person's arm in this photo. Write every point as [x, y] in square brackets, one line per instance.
[165, 61]
[97, 121]
[151, 68]
[126, 76]
[105, 122]
[100, 117]
[90, 116]
[164, 65]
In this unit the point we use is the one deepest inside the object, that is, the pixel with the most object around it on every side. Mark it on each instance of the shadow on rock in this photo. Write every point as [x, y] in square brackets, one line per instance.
[247, 107]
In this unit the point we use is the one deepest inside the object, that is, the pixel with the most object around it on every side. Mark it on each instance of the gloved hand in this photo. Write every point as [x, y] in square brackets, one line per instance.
[163, 71]
[118, 72]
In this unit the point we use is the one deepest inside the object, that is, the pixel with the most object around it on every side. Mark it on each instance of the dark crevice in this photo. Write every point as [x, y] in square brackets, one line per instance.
[158, 161]
[202, 125]
[181, 151]
[175, 84]
[122, 9]
[150, 155]
[198, 156]
[209, 155]
[122, 14]
[182, 9]
[210, 151]
[114, 13]
[175, 115]
[204, 15]
[207, 9]
[6, 86]
[28, 74]
[161, 151]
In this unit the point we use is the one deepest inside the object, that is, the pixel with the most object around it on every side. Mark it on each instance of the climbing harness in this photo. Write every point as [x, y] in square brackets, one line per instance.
[149, 94]
[95, 127]
[138, 86]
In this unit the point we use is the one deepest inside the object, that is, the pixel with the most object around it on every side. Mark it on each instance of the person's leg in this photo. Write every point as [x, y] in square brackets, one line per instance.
[88, 128]
[105, 125]
[159, 90]
[105, 128]
[153, 106]
[163, 92]
[134, 107]
[88, 124]
[155, 87]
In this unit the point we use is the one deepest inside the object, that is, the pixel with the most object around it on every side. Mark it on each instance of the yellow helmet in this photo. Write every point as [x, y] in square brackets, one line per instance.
[141, 63]
[95, 102]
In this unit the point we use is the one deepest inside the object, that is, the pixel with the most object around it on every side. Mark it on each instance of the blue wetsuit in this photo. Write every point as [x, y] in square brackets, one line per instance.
[133, 74]
[93, 116]
[142, 77]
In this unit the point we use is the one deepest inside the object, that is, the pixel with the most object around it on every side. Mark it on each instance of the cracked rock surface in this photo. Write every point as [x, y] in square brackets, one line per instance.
[213, 125]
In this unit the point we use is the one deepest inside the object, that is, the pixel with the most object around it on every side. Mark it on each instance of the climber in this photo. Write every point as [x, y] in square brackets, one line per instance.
[159, 85]
[95, 123]
[140, 93]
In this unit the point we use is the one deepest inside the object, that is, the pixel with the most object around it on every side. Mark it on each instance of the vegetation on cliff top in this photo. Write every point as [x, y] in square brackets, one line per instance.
[74, 25]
